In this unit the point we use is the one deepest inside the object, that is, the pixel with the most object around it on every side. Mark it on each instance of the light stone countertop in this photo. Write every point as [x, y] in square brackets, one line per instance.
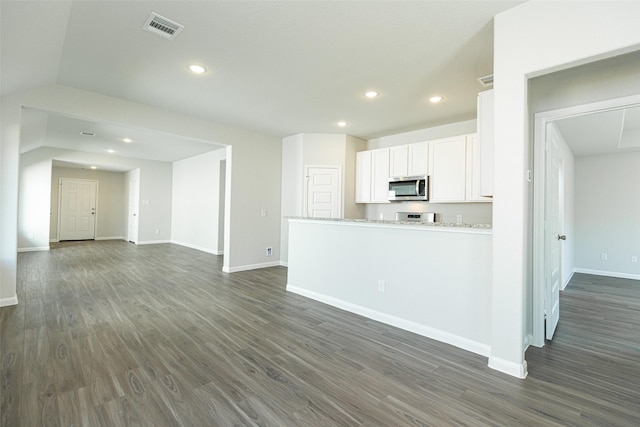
[436, 225]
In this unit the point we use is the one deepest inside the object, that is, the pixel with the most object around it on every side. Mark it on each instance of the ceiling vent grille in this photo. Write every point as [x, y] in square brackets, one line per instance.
[85, 133]
[161, 26]
[486, 81]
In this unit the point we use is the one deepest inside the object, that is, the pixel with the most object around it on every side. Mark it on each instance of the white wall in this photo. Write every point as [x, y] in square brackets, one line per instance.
[197, 191]
[35, 202]
[608, 214]
[110, 200]
[530, 40]
[299, 151]
[440, 287]
[436, 132]
[255, 155]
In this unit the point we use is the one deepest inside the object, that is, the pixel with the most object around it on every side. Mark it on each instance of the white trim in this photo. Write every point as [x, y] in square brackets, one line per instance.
[540, 121]
[407, 325]
[284, 263]
[110, 238]
[151, 242]
[518, 370]
[250, 267]
[607, 273]
[198, 248]
[5, 302]
[34, 249]
[564, 285]
[53, 240]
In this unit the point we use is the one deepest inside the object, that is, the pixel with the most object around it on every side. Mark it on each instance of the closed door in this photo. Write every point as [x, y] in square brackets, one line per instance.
[323, 192]
[77, 209]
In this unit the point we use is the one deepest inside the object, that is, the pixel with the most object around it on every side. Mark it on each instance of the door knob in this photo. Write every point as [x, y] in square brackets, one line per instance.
[562, 237]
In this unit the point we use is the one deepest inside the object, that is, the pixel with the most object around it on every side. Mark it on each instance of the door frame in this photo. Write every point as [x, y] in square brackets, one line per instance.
[95, 220]
[305, 201]
[539, 195]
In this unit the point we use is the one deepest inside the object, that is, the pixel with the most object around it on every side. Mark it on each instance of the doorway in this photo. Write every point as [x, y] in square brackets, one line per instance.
[544, 257]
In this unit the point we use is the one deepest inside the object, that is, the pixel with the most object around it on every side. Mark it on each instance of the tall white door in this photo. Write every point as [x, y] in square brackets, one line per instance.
[132, 216]
[323, 198]
[77, 209]
[552, 237]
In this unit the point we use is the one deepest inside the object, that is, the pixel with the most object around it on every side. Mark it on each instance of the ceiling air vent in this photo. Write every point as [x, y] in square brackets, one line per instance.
[85, 133]
[161, 26]
[486, 81]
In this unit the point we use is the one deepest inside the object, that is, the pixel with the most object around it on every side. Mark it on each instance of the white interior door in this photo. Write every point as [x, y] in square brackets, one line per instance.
[77, 209]
[132, 223]
[323, 198]
[552, 237]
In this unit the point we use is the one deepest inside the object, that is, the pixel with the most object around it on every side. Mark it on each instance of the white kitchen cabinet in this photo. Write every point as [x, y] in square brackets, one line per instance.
[372, 176]
[380, 175]
[485, 141]
[417, 160]
[408, 159]
[447, 170]
[473, 171]
[363, 177]
[398, 164]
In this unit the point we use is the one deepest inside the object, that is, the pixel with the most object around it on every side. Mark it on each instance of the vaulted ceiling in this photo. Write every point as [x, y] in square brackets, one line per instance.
[279, 67]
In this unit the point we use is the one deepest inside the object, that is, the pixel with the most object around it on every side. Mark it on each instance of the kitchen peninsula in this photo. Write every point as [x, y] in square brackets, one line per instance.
[431, 279]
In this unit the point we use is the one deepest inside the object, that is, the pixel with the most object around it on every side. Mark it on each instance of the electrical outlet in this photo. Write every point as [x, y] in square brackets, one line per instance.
[604, 256]
[269, 251]
[634, 259]
[157, 231]
[458, 219]
[381, 285]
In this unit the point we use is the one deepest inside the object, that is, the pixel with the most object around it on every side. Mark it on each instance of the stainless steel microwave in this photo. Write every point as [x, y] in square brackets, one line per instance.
[409, 188]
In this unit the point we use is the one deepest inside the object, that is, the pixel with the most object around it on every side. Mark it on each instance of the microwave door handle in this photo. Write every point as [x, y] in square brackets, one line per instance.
[417, 187]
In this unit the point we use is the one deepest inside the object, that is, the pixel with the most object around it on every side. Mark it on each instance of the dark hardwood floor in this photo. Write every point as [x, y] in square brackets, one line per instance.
[112, 334]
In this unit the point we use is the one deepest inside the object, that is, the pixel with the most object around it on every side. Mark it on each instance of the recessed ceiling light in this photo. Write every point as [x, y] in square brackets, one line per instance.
[435, 99]
[111, 151]
[198, 69]
[93, 167]
[127, 140]
[371, 94]
[342, 123]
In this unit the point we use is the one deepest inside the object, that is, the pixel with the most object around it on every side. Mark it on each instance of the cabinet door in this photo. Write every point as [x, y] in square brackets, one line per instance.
[473, 170]
[418, 153]
[380, 175]
[398, 164]
[447, 166]
[363, 177]
[485, 141]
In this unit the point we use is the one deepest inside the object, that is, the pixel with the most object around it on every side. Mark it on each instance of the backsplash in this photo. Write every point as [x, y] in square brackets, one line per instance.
[472, 213]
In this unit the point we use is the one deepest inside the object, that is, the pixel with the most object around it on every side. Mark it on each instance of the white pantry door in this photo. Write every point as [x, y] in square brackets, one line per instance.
[77, 209]
[132, 214]
[552, 237]
[323, 198]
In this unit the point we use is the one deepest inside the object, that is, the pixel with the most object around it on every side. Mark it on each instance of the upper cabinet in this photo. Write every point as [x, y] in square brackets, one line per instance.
[447, 166]
[474, 182]
[372, 176]
[408, 160]
[485, 142]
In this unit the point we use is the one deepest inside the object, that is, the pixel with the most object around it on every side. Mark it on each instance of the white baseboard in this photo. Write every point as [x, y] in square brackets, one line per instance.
[407, 325]
[607, 273]
[6, 302]
[110, 238]
[284, 263]
[34, 249]
[151, 242]
[198, 248]
[518, 370]
[250, 267]
[53, 240]
[566, 282]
